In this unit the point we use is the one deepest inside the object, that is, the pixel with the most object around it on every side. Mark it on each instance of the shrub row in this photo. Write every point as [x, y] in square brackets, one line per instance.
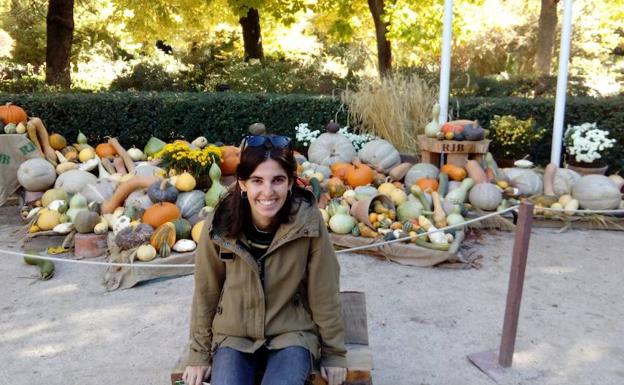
[134, 117]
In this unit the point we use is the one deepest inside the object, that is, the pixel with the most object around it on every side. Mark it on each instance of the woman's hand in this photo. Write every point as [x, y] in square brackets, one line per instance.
[333, 375]
[195, 375]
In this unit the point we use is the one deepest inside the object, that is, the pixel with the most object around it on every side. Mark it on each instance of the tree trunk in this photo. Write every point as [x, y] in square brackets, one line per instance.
[60, 31]
[252, 37]
[546, 37]
[384, 50]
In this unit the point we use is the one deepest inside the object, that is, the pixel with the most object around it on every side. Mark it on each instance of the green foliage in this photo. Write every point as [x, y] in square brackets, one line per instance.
[608, 113]
[134, 117]
[274, 74]
[512, 137]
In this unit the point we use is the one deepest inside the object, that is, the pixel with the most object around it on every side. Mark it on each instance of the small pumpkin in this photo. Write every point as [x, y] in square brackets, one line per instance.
[146, 253]
[135, 154]
[184, 246]
[70, 153]
[485, 196]
[53, 194]
[165, 234]
[454, 172]
[230, 158]
[77, 204]
[85, 221]
[421, 170]
[48, 219]
[57, 141]
[190, 203]
[10, 113]
[183, 228]
[105, 150]
[360, 175]
[340, 170]
[185, 182]
[161, 213]
[162, 191]
[86, 154]
[427, 184]
[197, 229]
[336, 187]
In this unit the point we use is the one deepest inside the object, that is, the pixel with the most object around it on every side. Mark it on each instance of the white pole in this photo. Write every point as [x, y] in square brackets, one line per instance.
[445, 65]
[562, 83]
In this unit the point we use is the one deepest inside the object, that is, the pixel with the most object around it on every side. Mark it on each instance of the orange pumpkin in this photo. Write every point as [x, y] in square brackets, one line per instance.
[454, 172]
[340, 170]
[427, 184]
[360, 175]
[105, 150]
[230, 158]
[12, 114]
[160, 213]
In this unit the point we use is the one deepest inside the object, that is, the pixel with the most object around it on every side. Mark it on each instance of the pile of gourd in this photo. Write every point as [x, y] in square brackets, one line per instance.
[420, 197]
[104, 188]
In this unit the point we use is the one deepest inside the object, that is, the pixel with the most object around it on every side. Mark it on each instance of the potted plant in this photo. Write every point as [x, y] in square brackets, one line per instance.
[512, 138]
[584, 146]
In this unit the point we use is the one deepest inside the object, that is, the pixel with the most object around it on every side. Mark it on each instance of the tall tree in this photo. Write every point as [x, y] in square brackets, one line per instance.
[252, 36]
[60, 31]
[546, 37]
[384, 49]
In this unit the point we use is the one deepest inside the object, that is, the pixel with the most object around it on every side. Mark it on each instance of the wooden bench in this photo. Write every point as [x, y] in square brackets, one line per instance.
[359, 357]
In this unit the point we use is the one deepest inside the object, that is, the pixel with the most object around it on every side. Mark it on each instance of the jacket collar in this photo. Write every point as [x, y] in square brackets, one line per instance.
[305, 223]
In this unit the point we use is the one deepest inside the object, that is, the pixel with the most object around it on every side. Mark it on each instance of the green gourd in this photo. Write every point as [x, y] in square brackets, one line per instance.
[455, 217]
[217, 190]
[342, 222]
[433, 127]
[77, 204]
[418, 193]
[46, 268]
[443, 178]
[458, 196]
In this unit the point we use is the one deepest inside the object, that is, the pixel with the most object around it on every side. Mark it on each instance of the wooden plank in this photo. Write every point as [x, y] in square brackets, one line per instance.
[354, 316]
[516, 283]
[453, 146]
[359, 356]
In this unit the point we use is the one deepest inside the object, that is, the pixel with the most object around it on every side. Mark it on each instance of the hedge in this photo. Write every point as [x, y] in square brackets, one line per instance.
[134, 117]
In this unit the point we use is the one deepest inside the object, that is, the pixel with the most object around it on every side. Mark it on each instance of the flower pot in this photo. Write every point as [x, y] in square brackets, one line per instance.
[362, 208]
[596, 168]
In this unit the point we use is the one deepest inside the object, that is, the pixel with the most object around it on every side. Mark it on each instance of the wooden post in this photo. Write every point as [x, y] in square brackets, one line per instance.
[516, 281]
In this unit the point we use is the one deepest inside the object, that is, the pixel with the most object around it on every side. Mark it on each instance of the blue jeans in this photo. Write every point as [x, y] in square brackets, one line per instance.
[288, 366]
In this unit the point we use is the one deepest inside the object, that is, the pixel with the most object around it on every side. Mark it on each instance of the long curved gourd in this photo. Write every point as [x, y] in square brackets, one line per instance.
[44, 139]
[125, 189]
[123, 154]
[549, 179]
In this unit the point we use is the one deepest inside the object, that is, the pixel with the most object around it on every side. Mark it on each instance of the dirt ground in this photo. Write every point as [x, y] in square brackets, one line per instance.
[423, 322]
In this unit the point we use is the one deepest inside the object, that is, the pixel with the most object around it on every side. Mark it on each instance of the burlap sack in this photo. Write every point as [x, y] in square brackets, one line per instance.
[14, 150]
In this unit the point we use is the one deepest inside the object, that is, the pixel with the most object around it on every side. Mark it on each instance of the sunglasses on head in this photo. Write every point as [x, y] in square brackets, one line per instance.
[268, 141]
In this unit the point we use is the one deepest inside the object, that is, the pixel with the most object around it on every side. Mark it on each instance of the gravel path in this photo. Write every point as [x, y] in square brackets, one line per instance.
[422, 322]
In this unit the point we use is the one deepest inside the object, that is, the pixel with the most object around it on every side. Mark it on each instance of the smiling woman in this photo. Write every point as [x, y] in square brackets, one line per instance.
[266, 300]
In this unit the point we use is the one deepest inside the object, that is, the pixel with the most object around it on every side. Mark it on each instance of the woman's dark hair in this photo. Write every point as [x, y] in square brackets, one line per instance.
[234, 210]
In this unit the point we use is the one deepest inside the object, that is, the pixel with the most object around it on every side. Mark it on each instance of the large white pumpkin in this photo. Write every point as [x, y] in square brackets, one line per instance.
[36, 174]
[380, 154]
[330, 148]
[564, 180]
[73, 181]
[526, 180]
[597, 192]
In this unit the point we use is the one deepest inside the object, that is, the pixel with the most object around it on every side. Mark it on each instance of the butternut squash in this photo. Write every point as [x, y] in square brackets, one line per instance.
[439, 216]
[31, 130]
[123, 154]
[44, 139]
[475, 172]
[120, 166]
[549, 179]
[125, 189]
